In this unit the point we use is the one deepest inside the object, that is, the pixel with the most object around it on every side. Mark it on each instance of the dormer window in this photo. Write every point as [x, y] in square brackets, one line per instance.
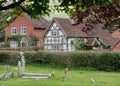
[23, 30]
[14, 30]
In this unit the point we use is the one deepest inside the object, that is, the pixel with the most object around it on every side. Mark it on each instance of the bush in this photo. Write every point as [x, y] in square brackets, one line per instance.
[8, 57]
[107, 61]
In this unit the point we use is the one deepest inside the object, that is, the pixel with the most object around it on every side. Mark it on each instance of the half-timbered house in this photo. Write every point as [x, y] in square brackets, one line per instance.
[62, 33]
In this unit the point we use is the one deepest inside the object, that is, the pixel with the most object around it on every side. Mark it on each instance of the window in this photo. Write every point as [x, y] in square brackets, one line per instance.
[14, 31]
[55, 47]
[23, 30]
[55, 32]
[72, 45]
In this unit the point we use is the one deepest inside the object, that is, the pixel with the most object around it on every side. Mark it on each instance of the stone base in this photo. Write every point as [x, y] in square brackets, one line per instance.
[37, 76]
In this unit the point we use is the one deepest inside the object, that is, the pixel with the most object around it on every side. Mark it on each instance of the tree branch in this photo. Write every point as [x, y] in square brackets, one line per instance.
[11, 5]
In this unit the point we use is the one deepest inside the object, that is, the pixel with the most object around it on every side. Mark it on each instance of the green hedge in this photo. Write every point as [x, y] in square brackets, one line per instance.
[7, 57]
[107, 61]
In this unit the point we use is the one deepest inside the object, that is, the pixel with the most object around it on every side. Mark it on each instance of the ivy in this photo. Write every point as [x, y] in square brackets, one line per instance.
[15, 37]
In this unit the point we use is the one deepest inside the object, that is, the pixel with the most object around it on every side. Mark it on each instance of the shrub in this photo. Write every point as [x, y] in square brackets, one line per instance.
[8, 57]
[107, 61]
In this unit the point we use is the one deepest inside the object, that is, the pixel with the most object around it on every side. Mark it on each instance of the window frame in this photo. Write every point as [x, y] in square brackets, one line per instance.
[23, 30]
[13, 32]
[55, 32]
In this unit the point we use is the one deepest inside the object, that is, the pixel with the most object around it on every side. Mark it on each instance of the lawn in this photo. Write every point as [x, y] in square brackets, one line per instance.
[75, 77]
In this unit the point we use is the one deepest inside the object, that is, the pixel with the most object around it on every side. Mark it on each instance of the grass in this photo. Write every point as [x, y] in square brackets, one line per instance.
[75, 77]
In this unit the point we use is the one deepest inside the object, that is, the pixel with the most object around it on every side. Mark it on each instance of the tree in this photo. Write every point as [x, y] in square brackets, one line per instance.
[95, 11]
[32, 7]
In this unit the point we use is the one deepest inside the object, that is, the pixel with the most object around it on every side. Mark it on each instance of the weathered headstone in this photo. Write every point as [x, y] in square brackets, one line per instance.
[19, 68]
[10, 75]
[8, 68]
[3, 76]
[22, 62]
[93, 79]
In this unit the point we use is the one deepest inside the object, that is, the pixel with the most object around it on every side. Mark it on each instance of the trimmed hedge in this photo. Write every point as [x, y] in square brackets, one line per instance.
[7, 57]
[107, 61]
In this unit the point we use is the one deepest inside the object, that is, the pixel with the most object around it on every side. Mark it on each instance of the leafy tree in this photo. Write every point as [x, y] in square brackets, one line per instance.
[92, 11]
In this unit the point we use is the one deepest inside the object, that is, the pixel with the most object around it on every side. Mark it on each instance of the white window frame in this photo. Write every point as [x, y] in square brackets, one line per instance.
[12, 30]
[23, 30]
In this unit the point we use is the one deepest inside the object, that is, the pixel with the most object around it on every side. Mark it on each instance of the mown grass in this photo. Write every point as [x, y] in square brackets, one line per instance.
[75, 77]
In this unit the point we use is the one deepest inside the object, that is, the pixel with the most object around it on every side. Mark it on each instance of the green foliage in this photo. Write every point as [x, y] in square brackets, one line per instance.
[106, 61]
[34, 40]
[1, 35]
[3, 57]
[15, 37]
[111, 29]
[7, 44]
[8, 57]
[80, 44]
[96, 44]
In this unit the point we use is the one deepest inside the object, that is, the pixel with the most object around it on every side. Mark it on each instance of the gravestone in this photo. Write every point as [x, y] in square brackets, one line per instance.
[93, 79]
[19, 68]
[10, 75]
[22, 62]
[3, 76]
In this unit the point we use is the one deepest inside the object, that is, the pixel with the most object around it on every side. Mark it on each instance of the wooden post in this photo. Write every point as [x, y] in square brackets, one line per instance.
[65, 74]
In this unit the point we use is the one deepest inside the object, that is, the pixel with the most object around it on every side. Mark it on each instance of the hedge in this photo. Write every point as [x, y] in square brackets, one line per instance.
[107, 61]
[8, 57]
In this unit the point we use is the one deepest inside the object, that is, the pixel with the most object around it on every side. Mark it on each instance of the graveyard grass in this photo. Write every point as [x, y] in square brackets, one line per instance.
[75, 77]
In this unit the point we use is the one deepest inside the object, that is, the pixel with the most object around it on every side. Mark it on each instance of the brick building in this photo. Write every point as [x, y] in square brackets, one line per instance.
[24, 25]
